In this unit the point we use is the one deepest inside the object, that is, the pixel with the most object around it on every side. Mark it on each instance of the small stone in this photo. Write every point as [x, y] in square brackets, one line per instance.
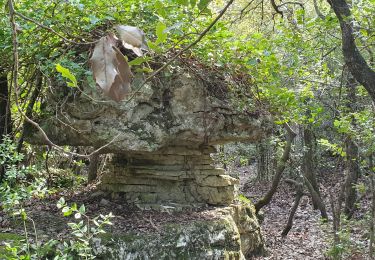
[104, 202]
[97, 194]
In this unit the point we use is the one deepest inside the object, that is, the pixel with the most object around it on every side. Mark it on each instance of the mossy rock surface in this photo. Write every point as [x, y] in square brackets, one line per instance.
[220, 238]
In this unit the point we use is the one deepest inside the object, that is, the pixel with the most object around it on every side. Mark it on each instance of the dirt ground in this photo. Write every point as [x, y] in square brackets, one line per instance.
[308, 238]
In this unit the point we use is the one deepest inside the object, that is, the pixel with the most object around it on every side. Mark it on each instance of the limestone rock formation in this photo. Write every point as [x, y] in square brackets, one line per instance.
[162, 136]
[170, 175]
[161, 139]
[233, 234]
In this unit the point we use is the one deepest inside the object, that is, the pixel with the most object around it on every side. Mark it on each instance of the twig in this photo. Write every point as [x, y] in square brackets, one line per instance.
[49, 180]
[152, 223]
[50, 29]
[201, 35]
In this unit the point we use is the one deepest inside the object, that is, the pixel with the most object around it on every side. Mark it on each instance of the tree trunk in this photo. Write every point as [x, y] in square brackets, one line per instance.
[299, 194]
[372, 218]
[279, 170]
[353, 172]
[262, 168]
[357, 65]
[30, 107]
[352, 154]
[315, 197]
[5, 116]
[93, 168]
[308, 162]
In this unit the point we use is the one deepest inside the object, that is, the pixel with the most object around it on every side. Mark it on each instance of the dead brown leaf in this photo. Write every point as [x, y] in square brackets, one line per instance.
[110, 69]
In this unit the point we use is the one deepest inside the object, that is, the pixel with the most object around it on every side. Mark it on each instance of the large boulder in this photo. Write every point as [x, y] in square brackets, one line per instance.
[162, 136]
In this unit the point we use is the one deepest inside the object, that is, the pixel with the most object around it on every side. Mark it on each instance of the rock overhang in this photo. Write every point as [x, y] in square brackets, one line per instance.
[162, 137]
[175, 110]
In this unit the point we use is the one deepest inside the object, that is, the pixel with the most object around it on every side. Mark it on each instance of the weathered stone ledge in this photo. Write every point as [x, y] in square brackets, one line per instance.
[233, 234]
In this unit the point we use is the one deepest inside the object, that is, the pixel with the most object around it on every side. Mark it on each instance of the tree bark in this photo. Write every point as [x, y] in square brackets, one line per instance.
[352, 153]
[357, 65]
[372, 218]
[353, 172]
[279, 170]
[262, 173]
[308, 163]
[5, 115]
[93, 168]
[299, 194]
[30, 107]
[315, 197]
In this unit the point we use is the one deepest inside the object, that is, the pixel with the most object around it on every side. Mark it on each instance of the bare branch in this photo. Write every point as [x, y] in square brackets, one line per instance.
[50, 29]
[276, 8]
[16, 91]
[201, 35]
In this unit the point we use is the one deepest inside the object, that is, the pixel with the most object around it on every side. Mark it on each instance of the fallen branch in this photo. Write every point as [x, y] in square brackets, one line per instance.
[299, 194]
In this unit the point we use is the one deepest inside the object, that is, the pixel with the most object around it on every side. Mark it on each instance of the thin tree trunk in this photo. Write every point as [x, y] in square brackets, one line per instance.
[357, 65]
[30, 106]
[352, 160]
[279, 170]
[5, 115]
[93, 168]
[315, 197]
[299, 194]
[353, 172]
[372, 219]
[261, 162]
[308, 163]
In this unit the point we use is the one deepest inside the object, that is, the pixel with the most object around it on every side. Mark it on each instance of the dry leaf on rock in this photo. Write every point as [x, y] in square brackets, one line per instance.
[132, 38]
[110, 69]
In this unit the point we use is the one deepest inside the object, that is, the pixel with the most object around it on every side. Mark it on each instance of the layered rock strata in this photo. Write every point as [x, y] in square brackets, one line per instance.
[174, 175]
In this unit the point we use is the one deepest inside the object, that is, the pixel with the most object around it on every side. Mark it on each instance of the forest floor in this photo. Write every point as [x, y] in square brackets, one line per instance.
[308, 238]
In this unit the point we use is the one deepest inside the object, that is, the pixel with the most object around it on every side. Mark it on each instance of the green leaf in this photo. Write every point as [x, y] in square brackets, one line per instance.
[160, 9]
[82, 209]
[60, 203]
[203, 4]
[138, 61]
[183, 2]
[23, 215]
[74, 207]
[160, 33]
[154, 47]
[68, 75]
